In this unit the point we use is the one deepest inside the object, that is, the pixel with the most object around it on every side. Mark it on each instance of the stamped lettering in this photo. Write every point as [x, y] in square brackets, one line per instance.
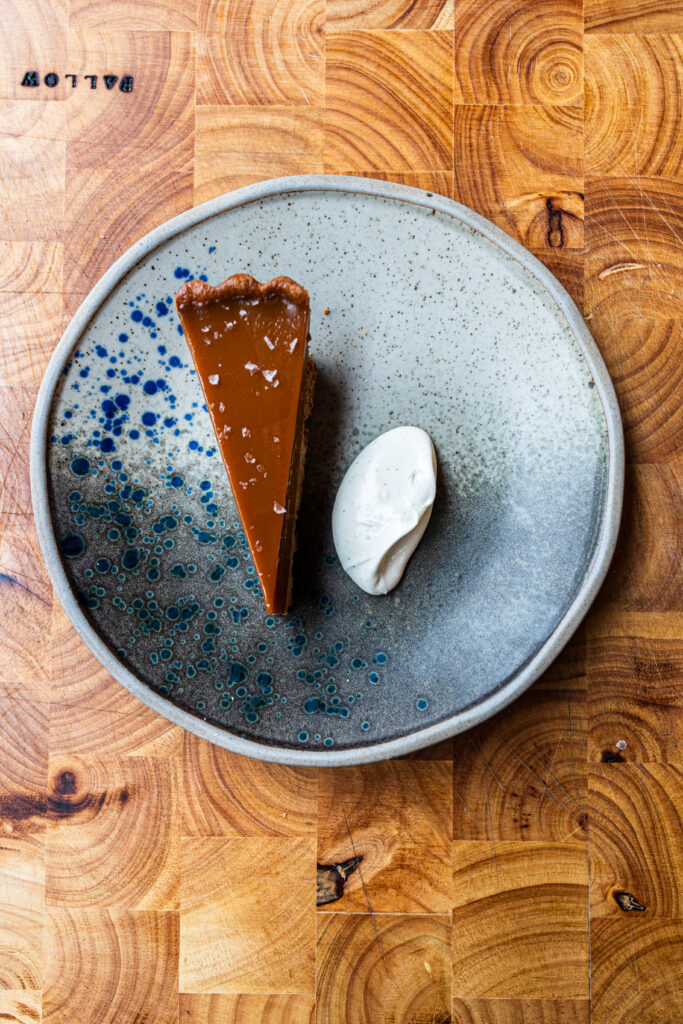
[31, 80]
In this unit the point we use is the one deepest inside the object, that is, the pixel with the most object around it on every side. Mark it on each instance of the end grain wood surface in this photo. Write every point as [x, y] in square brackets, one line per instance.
[529, 872]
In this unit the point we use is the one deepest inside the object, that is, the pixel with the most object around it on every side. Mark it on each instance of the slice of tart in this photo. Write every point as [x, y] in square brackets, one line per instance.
[249, 342]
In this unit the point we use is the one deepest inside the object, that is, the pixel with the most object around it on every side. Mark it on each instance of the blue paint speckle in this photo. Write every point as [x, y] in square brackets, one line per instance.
[131, 558]
[238, 673]
[72, 545]
[80, 466]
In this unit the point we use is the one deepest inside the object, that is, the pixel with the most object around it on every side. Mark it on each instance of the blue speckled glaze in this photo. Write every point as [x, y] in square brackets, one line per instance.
[430, 323]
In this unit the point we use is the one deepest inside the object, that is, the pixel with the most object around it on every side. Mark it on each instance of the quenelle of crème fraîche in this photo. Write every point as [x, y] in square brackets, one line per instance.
[383, 506]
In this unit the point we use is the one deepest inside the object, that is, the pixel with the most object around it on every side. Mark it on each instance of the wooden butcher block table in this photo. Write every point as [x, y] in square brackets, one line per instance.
[529, 872]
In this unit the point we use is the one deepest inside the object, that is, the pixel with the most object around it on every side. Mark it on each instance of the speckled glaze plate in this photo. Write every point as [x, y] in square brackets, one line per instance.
[436, 318]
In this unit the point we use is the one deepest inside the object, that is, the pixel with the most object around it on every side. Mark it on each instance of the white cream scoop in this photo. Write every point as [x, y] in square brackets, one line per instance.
[383, 506]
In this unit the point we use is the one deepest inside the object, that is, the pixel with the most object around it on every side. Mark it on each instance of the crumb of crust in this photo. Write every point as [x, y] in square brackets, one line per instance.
[326, 310]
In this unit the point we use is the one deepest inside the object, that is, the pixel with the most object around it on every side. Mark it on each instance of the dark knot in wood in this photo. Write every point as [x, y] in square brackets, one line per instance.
[331, 878]
[612, 757]
[66, 783]
[626, 901]
[555, 229]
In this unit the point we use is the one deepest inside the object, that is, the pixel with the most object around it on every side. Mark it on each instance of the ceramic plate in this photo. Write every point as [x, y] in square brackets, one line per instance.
[436, 318]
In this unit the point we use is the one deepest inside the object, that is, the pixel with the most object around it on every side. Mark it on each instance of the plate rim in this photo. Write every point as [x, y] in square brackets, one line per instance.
[461, 720]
